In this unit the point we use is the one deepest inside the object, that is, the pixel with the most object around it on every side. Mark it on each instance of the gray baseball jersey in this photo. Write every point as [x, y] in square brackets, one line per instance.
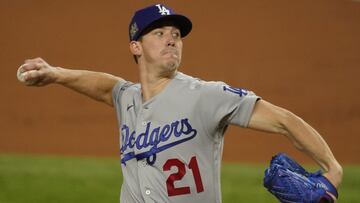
[171, 145]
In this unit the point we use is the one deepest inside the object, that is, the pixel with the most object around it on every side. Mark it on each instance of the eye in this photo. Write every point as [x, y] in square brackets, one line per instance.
[176, 35]
[159, 33]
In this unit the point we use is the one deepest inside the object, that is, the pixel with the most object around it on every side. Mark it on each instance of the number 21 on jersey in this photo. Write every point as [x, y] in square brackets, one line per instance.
[181, 171]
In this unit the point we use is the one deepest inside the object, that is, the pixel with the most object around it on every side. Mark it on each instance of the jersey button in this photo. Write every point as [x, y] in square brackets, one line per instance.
[147, 192]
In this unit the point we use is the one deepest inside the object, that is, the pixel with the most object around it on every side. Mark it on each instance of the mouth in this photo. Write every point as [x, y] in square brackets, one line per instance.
[172, 52]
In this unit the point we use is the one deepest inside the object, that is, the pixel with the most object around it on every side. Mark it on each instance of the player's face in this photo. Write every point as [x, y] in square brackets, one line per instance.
[162, 47]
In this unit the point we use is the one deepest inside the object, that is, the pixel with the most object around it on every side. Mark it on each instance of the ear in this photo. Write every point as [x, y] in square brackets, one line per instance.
[135, 48]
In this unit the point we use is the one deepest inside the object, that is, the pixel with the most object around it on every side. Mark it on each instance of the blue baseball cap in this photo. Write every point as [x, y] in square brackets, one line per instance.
[146, 17]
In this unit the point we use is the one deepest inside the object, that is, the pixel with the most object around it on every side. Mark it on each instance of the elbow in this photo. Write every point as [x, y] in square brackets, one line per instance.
[286, 120]
[289, 123]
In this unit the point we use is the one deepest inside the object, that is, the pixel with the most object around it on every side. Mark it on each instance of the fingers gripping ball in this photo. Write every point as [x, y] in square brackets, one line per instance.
[23, 76]
[290, 182]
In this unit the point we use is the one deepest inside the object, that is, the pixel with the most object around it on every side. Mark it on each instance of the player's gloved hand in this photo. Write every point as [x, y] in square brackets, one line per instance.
[290, 182]
[36, 72]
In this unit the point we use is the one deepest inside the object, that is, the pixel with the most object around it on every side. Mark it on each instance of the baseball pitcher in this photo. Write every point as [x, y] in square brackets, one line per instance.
[172, 125]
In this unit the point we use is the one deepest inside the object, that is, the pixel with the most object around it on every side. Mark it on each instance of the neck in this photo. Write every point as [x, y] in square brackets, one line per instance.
[153, 82]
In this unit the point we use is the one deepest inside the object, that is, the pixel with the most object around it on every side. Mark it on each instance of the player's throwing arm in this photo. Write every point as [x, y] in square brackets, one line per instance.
[97, 85]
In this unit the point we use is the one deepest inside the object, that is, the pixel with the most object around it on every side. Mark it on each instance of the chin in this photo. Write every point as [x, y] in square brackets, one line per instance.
[172, 65]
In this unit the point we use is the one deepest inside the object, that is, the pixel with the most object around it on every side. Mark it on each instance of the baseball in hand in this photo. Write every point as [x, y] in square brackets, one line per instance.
[21, 73]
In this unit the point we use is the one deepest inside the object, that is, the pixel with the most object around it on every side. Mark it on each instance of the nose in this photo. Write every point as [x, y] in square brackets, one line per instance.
[171, 43]
[170, 40]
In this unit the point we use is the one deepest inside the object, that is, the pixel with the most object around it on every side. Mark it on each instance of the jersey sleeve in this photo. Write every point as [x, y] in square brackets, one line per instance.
[228, 105]
[117, 92]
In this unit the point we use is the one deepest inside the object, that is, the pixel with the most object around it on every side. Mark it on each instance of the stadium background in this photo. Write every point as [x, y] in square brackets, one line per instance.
[301, 55]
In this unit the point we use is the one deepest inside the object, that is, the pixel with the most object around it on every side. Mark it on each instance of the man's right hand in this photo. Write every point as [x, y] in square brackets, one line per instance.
[39, 73]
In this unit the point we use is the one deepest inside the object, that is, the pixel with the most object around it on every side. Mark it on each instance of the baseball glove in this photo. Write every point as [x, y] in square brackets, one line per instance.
[291, 183]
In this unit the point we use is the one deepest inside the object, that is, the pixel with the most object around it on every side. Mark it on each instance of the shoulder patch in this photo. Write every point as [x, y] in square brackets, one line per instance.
[239, 91]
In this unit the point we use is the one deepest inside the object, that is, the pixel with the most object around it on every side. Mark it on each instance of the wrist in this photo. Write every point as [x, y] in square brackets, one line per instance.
[59, 75]
[335, 174]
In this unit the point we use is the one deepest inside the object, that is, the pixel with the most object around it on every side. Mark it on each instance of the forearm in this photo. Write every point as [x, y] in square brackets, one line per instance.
[96, 85]
[308, 140]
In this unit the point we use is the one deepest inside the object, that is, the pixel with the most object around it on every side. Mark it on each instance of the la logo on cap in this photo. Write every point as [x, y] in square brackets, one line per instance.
[163, 10]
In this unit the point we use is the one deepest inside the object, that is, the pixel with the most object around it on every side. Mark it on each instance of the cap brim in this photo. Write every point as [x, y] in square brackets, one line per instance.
[181, 22]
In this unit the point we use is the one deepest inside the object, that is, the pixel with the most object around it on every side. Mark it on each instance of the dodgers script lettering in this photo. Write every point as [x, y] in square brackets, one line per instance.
[155, 137]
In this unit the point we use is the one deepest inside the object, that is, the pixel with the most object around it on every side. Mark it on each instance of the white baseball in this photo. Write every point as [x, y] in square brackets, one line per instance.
[21, 76]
